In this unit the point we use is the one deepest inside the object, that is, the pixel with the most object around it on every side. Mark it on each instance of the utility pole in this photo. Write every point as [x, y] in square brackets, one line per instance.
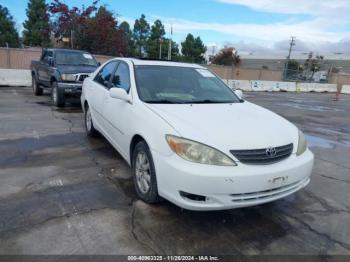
[71, 39]
[160, 48]
[170, 41]
[291, 44]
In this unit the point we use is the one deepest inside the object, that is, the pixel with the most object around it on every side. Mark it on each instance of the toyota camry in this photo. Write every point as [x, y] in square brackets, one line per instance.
[192, 140]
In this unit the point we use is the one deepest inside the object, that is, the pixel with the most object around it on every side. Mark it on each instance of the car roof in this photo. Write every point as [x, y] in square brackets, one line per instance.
[65, 50]
[140, 62]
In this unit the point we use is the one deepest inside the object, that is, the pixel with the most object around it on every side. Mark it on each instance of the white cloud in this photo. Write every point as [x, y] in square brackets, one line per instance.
[313, 31]
[311, 7]
[326, 29]
[281, 47]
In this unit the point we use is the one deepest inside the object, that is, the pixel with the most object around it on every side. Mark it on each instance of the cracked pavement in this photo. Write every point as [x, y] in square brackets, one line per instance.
[64, 193]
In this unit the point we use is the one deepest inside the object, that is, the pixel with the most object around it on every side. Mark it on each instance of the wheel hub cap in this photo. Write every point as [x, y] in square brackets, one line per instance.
[88, 120]
[143, 172]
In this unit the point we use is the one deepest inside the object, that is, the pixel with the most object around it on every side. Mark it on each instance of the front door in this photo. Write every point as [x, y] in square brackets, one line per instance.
[100, 92]
[118, 113]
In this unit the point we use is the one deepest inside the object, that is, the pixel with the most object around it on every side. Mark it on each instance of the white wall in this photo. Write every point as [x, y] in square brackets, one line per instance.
[345, 89]
[275, 86]
[316, 87]
[15, 77]
[244, 85]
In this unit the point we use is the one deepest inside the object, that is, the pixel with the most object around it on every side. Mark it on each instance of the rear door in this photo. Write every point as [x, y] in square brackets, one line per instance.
[98, 92]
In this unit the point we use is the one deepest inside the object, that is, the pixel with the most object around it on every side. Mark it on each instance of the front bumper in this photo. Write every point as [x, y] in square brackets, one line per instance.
[70, 88]
[230, 187]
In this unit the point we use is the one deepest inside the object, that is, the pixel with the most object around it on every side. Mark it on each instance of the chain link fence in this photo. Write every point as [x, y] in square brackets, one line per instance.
[320, 73]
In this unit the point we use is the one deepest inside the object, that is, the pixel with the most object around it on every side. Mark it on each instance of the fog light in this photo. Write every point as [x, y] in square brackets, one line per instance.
[193, 197]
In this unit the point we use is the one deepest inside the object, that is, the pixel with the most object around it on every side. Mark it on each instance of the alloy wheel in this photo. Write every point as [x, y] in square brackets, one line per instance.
[88, 120]
[143, 172]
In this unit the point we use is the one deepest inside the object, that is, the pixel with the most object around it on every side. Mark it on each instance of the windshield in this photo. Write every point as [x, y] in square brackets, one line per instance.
[177, 85]
[74, 58]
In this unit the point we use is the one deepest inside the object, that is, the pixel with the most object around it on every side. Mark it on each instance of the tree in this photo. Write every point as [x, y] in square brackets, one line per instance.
[36, 27]
[102, 36]
[70, 22]
[156, 39]
[227, 56]
[193, 49]
[293, 70]
[175, 55]
[293, 65]
[129, 43]
[141, 33]
[8, 33]
[311, 65]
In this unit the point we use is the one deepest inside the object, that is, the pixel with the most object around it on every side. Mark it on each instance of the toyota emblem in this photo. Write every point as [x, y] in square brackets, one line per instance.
[271, 152]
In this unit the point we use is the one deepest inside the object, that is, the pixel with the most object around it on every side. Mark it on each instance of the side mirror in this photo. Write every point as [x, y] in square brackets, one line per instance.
[119, 93]
[98, 63]
[239, 93]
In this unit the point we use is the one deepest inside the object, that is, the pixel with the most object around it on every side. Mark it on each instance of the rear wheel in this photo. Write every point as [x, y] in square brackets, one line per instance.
[57, 96]
[38, 91]
[89, 125]
[144, 174]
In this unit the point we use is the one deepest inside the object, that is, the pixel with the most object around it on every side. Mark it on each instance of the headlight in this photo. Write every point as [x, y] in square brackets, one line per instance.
[197, 152]
[302, 144]
[68, 77]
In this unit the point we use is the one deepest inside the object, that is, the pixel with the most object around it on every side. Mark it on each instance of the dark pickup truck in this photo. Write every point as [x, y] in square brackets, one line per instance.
[62, 70]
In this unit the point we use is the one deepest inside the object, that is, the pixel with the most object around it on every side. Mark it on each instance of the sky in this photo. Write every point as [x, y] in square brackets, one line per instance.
[248, 25]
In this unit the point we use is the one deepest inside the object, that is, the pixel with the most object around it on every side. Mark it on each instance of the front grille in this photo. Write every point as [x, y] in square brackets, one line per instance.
[267, 194]
[82, 77]
[261, 157]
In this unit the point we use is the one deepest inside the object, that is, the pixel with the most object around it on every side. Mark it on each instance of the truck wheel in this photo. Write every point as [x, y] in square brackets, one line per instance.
[38, 91]
[89, 125]
[57, 96]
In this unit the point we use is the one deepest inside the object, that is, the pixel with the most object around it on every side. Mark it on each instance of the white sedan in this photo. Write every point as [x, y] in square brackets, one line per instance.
[192, 140]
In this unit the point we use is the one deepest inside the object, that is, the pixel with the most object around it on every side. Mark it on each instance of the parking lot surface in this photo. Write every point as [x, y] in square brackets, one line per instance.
[64, 193]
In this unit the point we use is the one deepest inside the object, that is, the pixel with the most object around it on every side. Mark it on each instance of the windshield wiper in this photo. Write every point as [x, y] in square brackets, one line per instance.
[209, 101]
[83, 64]
[72, 64]
[163, 101]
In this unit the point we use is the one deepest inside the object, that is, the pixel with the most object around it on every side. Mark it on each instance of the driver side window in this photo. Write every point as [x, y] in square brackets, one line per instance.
[47, 57]
[121, 77]
[103, 77]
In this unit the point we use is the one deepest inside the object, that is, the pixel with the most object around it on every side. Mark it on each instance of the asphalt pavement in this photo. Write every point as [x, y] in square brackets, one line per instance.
[64, 193]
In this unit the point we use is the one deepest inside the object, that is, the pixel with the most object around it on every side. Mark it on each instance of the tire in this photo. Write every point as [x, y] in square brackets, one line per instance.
[144, 174]
[89, 125]
[37, 90]
[57, 97]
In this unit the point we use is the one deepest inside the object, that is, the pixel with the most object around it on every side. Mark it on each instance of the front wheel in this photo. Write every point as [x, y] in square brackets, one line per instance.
[89, 125]
[57, 96]
[144, 174]
[37, 90]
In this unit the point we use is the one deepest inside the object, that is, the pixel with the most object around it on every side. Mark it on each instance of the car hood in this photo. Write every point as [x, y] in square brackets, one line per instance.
[228, 126]
[71, 69]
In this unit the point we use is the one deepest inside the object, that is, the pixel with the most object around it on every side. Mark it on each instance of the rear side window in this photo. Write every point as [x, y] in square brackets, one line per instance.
[121, 78]
[103, 77]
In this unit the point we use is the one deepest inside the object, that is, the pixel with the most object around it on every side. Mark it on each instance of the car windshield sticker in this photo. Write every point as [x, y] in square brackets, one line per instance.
[205, 73]
[87, 56]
